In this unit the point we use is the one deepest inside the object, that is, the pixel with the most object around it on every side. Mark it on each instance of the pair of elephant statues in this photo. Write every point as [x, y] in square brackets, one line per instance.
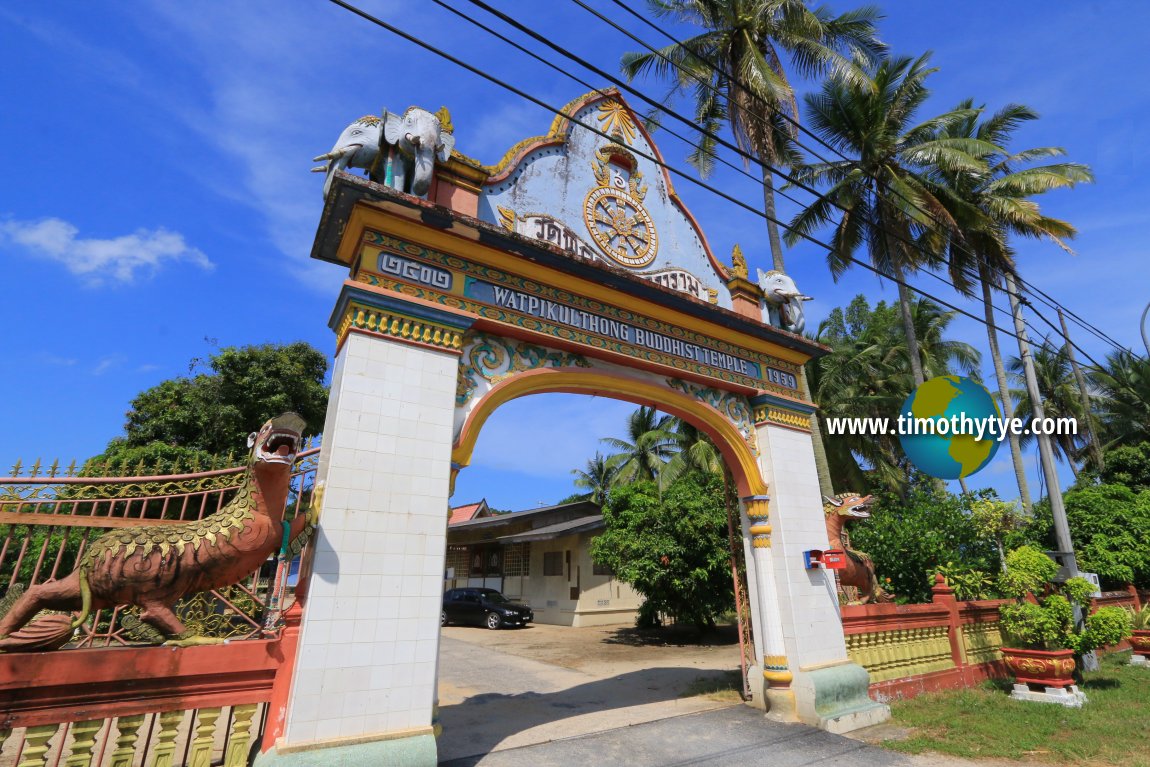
[396, 150]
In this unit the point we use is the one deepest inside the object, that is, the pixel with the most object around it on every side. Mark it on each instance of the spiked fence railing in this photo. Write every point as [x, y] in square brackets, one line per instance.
[48, 517]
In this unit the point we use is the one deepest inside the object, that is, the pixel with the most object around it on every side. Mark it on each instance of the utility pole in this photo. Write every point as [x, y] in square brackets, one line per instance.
[1084, 396]
[1061, 526]
[1053, 491]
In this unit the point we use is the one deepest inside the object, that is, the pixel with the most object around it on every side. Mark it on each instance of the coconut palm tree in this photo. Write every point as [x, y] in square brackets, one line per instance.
[650, 443]
[597, 478]
[1122, 397]
[693, 451]
[992, 206]
[1060, 397]
[881, 195]
[734, 72]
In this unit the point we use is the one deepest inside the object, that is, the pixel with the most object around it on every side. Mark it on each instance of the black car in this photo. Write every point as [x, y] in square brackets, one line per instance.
[483, 607]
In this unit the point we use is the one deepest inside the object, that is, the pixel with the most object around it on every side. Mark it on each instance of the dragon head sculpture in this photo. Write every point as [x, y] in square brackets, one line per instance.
[849, 505]
[276, 443]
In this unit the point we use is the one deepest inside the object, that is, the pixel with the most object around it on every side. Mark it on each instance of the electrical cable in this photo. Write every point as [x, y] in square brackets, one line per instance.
[803, 129]
[669, 168]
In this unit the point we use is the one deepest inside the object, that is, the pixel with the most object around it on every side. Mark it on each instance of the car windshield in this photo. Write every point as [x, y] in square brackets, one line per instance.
[496, 597]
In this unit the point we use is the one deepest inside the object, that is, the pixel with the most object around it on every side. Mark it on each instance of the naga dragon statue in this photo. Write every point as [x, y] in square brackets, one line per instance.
[859, 572]
[152, 567]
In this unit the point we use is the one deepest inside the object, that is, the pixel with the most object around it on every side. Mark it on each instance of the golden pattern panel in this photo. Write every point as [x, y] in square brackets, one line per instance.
[791, 418]
[397, 325]
[903, 652]
[621, 227]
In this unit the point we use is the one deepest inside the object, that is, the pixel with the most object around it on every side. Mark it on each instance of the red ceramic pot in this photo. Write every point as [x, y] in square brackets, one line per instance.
[1140, 641]
[1048, 668]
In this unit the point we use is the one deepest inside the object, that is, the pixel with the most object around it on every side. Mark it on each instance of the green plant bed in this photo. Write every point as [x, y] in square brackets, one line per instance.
[985, 723]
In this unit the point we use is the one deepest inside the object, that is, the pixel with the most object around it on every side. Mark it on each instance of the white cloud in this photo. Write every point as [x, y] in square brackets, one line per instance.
[119, 259]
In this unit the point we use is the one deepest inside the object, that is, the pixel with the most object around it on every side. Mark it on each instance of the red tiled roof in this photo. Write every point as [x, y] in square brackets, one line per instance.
[464, 513]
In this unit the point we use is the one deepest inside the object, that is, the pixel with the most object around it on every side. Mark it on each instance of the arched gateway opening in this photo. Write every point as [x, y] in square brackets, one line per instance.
[571, 266]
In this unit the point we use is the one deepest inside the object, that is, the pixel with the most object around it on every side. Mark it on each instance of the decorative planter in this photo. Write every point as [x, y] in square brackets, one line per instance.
[1048, 668]
[1140, 641]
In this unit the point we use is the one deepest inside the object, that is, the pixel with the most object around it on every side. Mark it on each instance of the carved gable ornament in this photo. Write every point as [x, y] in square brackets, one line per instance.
[599, 196]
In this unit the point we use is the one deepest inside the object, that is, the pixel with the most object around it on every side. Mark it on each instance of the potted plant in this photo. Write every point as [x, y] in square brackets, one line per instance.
[1140, 636]
[1040, 641]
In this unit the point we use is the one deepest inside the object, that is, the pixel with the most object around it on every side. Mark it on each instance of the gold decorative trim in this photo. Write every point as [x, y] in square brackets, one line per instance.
[757, 508]
[782, 417]
[778, 678]
[395, 325]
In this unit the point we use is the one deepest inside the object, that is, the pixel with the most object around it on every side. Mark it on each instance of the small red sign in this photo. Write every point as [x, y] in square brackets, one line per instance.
[834, 559]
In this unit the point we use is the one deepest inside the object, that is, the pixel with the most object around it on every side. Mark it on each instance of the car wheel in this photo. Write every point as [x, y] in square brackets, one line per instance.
[494, 621]
[443, 618]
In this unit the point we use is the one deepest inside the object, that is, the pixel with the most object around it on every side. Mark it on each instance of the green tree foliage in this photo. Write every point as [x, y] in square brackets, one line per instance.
[910, 538]
[597, 478]
[213, 411]
[866, 375]
[1060, 398]
[1110, 527]
[671, 547]
[1122, 399]
[650, 443]
[1128, 465]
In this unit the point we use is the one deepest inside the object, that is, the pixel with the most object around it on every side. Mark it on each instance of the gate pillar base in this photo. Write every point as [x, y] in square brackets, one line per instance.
[413, 749]
[834, 698]
[781, 704]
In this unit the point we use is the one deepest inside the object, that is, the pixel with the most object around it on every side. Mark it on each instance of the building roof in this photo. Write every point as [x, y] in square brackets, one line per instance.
[467, 512]
[558, 530]
[538, 516]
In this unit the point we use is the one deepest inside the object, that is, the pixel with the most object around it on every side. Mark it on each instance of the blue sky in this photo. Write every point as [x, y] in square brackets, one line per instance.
[156, 200]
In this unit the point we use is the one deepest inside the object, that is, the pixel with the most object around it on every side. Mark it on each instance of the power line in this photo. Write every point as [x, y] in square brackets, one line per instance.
[803, 129]
[665, 109]
[572, 118]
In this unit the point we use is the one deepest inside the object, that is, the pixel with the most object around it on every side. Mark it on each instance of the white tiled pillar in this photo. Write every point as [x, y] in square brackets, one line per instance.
[829, 690]
[366, 667]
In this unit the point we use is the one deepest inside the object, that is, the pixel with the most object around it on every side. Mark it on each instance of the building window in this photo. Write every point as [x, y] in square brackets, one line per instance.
[486, 561]
[598, 569]
[517, 559]
[553, 563]
[457, 561]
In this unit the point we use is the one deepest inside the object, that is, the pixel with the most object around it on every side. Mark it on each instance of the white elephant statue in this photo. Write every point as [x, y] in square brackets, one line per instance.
[357, 147]
[784, 301]
[396, 150]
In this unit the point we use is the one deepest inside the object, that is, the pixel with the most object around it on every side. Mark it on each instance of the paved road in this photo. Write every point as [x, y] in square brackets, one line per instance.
[734, 735]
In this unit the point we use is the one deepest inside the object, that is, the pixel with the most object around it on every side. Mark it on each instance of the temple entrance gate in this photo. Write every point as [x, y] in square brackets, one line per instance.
[462, 302]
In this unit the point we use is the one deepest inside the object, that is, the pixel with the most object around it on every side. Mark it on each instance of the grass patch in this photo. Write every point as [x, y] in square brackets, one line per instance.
[726, 687]
[1111, 729]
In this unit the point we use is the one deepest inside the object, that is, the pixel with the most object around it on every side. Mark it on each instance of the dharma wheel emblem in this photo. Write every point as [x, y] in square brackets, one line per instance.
[620, 226]
[616, 220]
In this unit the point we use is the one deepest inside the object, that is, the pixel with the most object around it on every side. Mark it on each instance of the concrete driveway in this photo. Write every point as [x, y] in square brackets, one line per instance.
[493, 698]
[550, 695]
